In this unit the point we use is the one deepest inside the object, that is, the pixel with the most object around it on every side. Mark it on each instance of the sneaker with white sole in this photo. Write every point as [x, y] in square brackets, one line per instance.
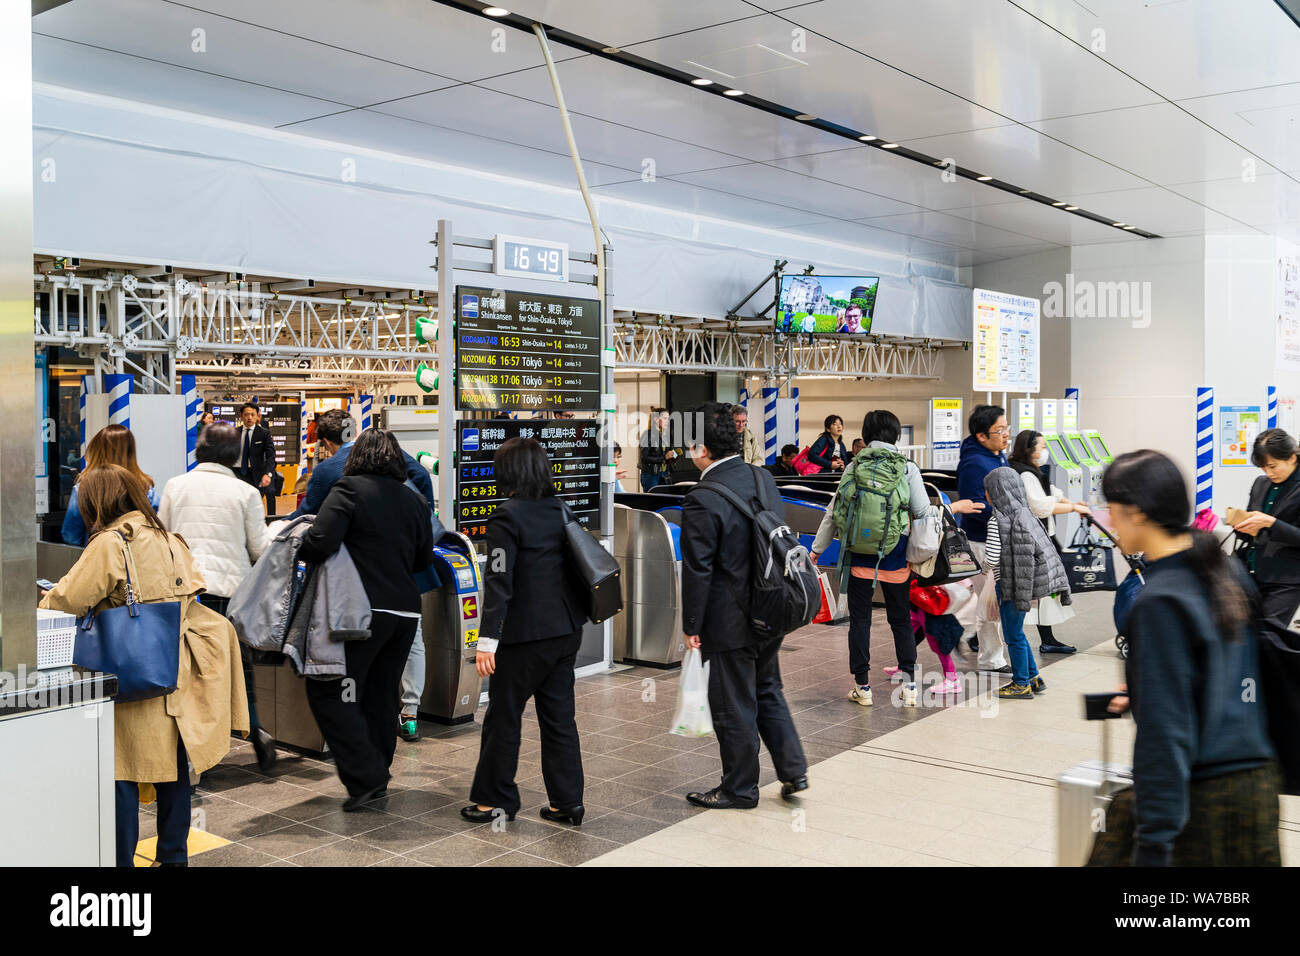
[950, 685]
[861, 695]
[909, 695]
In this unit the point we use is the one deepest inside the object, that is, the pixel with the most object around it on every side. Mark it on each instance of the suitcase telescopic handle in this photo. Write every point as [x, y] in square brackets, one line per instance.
[1095, 707]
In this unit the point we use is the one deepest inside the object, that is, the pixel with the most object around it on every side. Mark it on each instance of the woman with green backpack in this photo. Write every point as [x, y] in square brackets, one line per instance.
[880, 493]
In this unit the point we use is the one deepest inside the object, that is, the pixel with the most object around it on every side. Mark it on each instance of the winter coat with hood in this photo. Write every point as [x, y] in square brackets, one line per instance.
[1028, 566]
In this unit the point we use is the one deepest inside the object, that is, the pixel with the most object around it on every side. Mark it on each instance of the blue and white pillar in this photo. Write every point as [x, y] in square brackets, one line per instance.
[1272, 406]
[190, 390]
[1204, 447]
[87, 387]
[770, 449]
[118, 389]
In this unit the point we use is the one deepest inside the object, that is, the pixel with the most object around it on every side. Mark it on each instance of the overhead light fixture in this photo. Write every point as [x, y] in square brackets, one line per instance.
[889, 146]
[734, 93]
[1024, 192]
[983, 179]
[701, 81]
[1071, 208]
[609, 49]
[804, 117]
[1058, 204]
[867, 139]
[495, 12]
[1127, 228]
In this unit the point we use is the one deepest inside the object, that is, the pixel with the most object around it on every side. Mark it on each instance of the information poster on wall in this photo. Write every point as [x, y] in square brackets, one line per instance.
[1286, 305]
[1238, 426]
[525, 351]
[945, 432]
[571, 445]
[1005, 346]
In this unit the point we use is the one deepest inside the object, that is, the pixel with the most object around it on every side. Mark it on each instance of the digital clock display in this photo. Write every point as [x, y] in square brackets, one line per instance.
[533, 258]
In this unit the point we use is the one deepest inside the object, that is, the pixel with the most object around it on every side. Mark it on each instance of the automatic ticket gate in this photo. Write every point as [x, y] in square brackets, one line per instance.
[1069, 477]
[647, 545]
[450, 624]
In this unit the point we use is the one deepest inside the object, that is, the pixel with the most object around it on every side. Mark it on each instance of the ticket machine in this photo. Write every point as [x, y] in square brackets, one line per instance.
[1100, 450]
[1069, 477]
[1092, 468]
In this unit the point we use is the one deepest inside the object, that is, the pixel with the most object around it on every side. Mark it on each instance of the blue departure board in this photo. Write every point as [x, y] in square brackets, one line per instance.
[525, 351]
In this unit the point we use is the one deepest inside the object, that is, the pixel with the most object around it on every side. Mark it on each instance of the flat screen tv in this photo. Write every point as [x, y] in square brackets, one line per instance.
[842, 304]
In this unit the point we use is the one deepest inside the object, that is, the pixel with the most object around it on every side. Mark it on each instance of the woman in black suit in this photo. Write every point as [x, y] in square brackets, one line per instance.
[1271, 529]
[386, 528]
[528, 641]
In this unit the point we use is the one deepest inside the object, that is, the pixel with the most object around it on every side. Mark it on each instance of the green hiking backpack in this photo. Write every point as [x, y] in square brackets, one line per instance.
[871, 509]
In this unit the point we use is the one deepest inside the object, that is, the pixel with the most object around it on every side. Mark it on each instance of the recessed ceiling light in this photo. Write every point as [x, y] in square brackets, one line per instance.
[1117, 225]
[805, 117]
[495, 12]
[890, 146]
[1127, 228]
[1024, 192]
[1058, 204]
[984, 179]
[1071, 208]
[701, 81]
[867, 139]
[610, 49]
[733, 93]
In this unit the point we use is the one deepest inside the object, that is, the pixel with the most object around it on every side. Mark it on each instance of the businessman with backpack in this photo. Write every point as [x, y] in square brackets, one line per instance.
[737, 606]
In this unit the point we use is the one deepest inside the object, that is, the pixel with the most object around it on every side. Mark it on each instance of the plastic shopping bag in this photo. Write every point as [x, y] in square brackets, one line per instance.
[824, 614]
[693, 717]
[924, 536]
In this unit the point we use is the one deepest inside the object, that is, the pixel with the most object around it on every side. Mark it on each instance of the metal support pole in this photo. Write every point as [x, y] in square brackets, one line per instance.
[445, 364]
[607, 419]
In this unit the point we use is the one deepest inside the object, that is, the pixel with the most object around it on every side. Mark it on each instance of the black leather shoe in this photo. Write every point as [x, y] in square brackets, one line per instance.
[571, 816]
[716, 799]
[264, 747]
[353, 804]
[474, 815]
[1004, 669]
[790, 787]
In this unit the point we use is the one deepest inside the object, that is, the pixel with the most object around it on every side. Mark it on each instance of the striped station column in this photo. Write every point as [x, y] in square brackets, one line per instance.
[302, 427]
[1272, 406]
[769, 425]
[794, 394]
[367, 402]
[87, 386]
[118, 388]
[1204, 447]
[190, 389]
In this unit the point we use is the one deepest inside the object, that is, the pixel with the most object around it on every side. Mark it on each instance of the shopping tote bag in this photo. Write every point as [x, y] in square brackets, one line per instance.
[693, 716]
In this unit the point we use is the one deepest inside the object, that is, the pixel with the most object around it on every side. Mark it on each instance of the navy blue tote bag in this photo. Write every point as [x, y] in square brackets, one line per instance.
[140, 643]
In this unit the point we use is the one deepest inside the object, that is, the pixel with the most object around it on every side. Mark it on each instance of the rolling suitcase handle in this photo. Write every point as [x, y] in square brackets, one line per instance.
[1096, 707]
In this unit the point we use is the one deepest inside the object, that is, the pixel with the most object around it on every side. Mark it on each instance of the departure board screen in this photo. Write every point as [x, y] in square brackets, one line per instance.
[526, 351]
[282, 419]
[571, 445]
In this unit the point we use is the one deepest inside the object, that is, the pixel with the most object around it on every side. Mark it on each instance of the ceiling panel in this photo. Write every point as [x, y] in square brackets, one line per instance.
[942, 227]
[817, 76]
[417, 33]
[474, 109]
[772, 184]
[620, 24]
[163, 31]
[79, 67]
[1044, 222]
[1157, 210]
[1184, 48]
[1261, 202]
[605, 90]
[987, 51]
[683, 197]
[1160, 143]
[1265, 121]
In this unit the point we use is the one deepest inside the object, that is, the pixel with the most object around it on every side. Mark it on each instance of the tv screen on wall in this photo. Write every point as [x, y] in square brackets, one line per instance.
[843, 304]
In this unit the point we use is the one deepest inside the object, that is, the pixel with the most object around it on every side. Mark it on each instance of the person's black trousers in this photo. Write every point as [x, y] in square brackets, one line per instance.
[173, 815]
[898, 610]
[220, 604]
[748, 703]
[358, 714]
[542, 670]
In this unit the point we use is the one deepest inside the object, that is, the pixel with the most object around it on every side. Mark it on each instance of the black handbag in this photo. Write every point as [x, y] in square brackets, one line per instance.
[140, 643]
[1089, 565]
[956, 559]
[595, 569]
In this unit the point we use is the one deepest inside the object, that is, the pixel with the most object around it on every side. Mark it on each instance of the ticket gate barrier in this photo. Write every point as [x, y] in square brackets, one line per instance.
[450, 624]
[1069, 477]
[1092, 468]
[647, 545]
[1098, 446]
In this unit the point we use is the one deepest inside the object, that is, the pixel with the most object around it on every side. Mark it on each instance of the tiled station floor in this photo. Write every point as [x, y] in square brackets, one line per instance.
[943, 784]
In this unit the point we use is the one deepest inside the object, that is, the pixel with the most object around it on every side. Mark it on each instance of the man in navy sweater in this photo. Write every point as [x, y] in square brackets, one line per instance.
[981, 452]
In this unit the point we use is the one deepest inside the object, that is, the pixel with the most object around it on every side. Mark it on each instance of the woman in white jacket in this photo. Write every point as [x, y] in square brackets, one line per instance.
[221, 519]
[1028, 456]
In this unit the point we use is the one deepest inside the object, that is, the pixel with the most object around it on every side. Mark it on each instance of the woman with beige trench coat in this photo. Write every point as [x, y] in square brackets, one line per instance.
[156, 739]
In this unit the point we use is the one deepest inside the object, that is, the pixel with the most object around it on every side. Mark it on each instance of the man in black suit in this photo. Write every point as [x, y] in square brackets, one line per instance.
[745, 692]
[256, 463]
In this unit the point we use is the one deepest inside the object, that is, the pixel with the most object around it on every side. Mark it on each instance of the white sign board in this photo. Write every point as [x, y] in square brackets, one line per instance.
[1005, 344]
[1286, 308]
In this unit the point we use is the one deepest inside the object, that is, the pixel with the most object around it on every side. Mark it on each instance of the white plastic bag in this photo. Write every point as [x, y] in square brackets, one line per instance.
[693, 716]
[923, 536]
[959, 592]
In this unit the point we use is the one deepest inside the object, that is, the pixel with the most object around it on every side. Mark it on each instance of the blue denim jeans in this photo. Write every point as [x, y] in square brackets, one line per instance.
[1023, 666]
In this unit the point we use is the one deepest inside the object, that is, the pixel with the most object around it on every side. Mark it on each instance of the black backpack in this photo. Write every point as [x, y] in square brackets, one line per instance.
[785, 593]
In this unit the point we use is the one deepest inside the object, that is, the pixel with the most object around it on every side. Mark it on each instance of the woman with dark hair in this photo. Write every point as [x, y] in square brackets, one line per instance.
[828, 451]
[1270, 533]
[156, 740]
[528, 642]
[1028, 457]
[1205, 789]
[111, 445]
[385, 526]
